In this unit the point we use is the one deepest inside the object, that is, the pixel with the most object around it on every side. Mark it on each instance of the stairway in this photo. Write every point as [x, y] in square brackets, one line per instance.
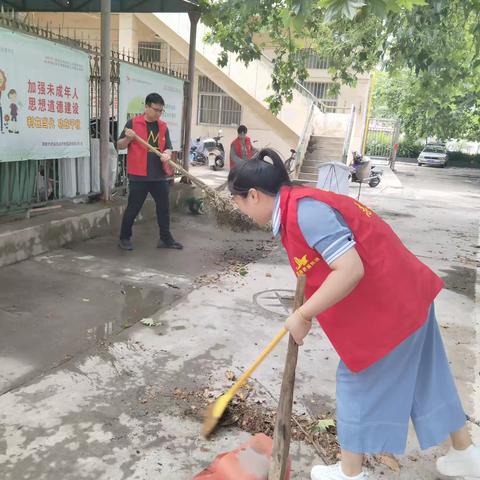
[321, 149]
[248, 85]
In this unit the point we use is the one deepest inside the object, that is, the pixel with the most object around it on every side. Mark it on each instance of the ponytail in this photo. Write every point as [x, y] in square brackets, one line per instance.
[264, 172]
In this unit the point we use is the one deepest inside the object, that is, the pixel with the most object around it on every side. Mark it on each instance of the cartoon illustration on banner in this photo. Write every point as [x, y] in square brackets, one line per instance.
[44, 108]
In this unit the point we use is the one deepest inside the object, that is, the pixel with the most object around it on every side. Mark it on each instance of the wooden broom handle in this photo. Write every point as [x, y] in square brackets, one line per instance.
[246, 375]
[282, 432]
[175, 165]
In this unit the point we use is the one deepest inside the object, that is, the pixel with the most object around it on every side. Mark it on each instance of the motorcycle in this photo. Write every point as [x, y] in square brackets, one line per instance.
[208, 151]
[197, 155]
[362, 171]
[215, 151]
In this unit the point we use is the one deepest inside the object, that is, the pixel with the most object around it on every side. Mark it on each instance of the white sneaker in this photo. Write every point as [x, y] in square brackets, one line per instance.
[460, 463]
[333, 472]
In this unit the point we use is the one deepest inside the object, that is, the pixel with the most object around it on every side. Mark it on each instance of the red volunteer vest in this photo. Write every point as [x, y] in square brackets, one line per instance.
[389, 303]
[137, 153]
[237, 145]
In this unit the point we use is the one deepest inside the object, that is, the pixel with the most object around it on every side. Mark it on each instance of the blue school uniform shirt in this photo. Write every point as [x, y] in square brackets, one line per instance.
[323, 228]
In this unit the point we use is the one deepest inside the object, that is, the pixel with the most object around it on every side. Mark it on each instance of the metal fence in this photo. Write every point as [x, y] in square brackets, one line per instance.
[29, 183]
[382, 134]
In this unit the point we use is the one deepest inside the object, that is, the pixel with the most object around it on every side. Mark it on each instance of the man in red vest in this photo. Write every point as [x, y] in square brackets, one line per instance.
[241, 148]
[145, 171]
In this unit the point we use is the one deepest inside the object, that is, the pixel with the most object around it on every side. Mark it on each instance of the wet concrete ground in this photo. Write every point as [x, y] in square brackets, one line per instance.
[59, 304]
[109, 410]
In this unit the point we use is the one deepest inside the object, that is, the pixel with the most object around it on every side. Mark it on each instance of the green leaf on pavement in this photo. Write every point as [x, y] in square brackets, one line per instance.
[323, 425]
[148, 322]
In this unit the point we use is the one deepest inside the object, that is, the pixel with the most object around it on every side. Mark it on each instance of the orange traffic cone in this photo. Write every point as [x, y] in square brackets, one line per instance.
[250, 461]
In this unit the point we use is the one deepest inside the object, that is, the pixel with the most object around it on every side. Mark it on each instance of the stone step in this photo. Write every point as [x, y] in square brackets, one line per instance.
[309, 169]
[317, 138]
[336, 146]
[307, 183]
[311, 177]
[325, 146]
[318, 141]
[313, 160]
[324, 153]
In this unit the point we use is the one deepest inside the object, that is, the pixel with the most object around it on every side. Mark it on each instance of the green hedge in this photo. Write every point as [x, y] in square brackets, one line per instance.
[406, 149]
[409, 149]
[412, 149]
[460, 158]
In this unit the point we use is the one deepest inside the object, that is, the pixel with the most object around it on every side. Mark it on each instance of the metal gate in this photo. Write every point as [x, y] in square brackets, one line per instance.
[30, 183]
[382, 135]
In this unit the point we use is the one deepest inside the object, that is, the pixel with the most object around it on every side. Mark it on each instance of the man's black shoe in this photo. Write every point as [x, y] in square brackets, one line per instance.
[125, 244]
[170, 243]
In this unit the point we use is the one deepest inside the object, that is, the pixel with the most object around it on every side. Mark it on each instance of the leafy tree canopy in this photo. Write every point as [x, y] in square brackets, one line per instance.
[430, 49]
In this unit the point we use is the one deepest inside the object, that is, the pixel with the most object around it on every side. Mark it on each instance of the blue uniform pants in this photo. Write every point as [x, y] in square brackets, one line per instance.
[413, 381]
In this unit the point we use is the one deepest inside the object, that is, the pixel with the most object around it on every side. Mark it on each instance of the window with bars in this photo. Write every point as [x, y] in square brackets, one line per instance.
[314, 60]
[215, 107]
[154, 52]
[322, 90]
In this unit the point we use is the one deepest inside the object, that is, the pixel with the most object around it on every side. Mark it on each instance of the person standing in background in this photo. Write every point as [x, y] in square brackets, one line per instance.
[241, 148]
[145, 171]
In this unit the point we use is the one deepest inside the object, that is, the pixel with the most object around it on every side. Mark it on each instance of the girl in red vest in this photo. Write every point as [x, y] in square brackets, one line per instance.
[241, 148]
[374, 300]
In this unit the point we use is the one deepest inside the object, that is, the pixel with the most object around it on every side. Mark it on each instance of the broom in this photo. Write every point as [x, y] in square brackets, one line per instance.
[225, 211]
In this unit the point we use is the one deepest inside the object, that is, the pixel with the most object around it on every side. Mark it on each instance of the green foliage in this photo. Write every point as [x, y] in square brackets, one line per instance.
[323, 425]
[434, 44]
[379, 147]
[460, 159]
[427, 106]
[409, 149]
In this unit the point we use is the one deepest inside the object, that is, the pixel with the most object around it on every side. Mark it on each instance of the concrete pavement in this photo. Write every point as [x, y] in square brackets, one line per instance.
[100, 404]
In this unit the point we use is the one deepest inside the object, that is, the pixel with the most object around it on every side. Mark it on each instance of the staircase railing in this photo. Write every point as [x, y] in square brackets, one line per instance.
[320, 104]
[304, 140]
[348, 135]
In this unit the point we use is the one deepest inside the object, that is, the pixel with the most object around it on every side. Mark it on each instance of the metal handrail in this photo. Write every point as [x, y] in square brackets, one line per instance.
[304, 140]
[348, 135]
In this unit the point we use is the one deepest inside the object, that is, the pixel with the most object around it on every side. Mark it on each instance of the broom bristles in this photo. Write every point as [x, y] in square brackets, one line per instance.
[227, 213]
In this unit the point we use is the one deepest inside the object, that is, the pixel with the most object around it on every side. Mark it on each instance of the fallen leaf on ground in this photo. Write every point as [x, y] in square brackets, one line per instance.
[389, 461]
[323, 425]
[148, 322]
[230, 375]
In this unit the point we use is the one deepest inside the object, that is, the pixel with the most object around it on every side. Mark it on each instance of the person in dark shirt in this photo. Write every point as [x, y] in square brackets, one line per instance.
[12, 125]
[145, 171]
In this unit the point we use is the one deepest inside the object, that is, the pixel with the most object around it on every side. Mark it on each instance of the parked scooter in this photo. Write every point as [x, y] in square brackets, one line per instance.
[215, 151]
[362, 171]
[197, 155]
[208, 151]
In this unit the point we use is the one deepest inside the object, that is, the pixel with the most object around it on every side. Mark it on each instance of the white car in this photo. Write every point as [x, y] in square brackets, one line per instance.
[433, 155]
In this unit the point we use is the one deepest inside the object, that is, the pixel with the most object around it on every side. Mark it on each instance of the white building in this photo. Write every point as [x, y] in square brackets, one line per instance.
[226, 97]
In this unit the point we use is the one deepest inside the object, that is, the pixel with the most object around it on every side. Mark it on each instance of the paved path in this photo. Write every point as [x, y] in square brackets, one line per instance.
[88, 398]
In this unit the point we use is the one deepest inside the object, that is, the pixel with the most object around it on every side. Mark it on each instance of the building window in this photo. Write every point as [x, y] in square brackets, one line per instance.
[313, 60]
[215, 107]
[153, 52]
[322, 90]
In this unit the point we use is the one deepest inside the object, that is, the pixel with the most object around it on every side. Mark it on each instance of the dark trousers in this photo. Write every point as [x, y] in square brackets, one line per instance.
[136, 198]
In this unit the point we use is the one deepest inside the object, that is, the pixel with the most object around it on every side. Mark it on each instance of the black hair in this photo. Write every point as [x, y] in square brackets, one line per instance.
[242, 129]
[259, 173]
[11, 92]
[154, 98]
